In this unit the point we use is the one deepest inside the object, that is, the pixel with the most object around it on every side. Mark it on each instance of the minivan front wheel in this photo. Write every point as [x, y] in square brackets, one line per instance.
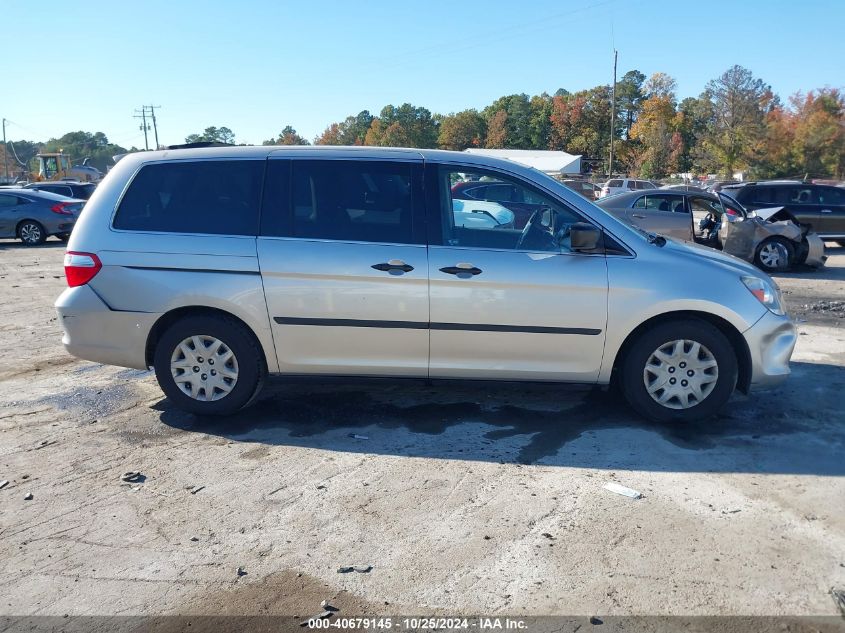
[679, 371]
[209, 365]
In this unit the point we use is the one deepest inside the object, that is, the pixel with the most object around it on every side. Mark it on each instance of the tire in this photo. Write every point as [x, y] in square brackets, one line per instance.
[774, 254]
[642, 370]
[238, 378]
[31, 233]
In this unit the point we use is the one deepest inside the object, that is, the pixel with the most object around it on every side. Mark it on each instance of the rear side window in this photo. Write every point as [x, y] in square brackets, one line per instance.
[832, 195]
[219, 197]
[62, 191]
[361, 201]
[631, 184]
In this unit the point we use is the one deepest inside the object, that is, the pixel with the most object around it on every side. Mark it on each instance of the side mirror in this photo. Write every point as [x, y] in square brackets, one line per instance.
[584, 237]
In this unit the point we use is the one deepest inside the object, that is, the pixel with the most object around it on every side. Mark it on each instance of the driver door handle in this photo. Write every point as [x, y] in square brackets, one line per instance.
[393, 264]
[461, 269]
[639, 216]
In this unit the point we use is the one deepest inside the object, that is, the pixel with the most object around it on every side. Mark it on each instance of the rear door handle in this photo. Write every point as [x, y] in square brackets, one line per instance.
[461, 269]
[393, 264]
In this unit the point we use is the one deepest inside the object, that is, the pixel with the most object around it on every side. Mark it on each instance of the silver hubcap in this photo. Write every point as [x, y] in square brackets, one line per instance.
[680, 374]
[30, 233]
[204, 368]
[773, 255]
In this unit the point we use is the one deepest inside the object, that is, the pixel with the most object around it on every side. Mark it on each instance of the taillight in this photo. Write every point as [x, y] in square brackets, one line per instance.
[730, 211]
[80, 268]
[62, 208]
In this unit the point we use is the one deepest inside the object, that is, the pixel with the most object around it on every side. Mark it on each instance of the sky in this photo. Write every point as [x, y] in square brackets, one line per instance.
[256, 66]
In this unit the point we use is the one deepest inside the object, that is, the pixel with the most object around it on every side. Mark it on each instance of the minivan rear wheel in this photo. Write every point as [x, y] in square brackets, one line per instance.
[209, 365]
[680, 371]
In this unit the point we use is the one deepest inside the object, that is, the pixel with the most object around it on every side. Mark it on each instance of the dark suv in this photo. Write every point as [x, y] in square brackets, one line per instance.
[71, 189]
[820, 206]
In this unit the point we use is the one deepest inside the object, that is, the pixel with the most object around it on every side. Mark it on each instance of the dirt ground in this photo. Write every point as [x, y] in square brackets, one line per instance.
[464, 499]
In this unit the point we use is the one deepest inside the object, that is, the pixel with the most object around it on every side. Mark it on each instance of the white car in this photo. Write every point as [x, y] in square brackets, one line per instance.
[624, 185]
[481, 214]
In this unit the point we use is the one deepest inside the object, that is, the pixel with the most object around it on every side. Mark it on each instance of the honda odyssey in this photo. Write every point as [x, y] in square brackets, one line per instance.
[220, 266]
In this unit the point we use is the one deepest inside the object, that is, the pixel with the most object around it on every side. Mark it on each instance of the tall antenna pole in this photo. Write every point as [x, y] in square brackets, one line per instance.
[612, 116]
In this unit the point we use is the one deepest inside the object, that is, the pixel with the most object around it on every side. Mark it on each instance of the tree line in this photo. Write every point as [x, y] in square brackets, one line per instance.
[736, 124]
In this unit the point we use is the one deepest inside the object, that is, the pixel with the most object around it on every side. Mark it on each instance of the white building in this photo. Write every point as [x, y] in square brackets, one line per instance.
[550, 162]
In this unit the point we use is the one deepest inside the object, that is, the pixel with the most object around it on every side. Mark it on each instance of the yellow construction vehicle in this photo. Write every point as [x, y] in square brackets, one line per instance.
[57, 166]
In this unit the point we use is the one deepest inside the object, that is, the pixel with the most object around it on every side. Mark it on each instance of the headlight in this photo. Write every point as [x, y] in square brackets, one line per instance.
[766, 294]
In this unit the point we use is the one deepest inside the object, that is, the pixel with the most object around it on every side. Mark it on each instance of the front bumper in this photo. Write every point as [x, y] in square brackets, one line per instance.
[95, 332]
[770, 342]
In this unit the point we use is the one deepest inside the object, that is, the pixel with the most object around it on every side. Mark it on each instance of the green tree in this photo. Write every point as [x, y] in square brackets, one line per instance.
[629, 96]
[462, 130]
[85, 145]
[740, 102]
[539, 122]
[212, 135]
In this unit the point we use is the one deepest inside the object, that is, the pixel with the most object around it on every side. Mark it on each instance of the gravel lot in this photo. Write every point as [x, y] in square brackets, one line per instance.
[464, 499]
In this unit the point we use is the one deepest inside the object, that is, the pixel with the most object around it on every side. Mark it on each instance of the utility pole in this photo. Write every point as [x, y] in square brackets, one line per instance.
[5, 152]
[155, 127]
[612, 116]
[144, 126]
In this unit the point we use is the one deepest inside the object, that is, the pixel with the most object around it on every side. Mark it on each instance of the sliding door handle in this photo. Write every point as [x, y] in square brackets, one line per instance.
[461, 269]
[393, 265]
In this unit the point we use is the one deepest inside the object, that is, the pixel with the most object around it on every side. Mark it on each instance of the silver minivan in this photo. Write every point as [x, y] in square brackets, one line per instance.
[219, 266]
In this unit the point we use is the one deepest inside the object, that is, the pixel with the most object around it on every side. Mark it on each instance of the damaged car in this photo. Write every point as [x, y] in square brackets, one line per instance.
[773, 239]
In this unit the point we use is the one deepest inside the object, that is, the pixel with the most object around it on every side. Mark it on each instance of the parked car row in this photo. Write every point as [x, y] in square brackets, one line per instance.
[774, 241]
[32, 216]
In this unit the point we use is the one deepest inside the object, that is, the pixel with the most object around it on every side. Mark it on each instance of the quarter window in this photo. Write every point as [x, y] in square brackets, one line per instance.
[218, 197]
[832, 195]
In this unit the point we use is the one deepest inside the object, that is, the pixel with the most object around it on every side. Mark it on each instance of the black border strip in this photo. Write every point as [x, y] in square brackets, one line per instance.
[422, 325]
[195, 270]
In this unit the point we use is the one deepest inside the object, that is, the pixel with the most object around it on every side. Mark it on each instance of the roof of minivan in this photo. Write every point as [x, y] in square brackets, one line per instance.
[263, 151]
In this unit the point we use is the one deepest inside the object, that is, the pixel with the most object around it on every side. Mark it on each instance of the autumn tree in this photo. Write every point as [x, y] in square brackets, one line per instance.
[820, 132]
[288, 136]
[660, 143]
[497, 130]
[462, 130]
[517, 109]
[330, 136]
